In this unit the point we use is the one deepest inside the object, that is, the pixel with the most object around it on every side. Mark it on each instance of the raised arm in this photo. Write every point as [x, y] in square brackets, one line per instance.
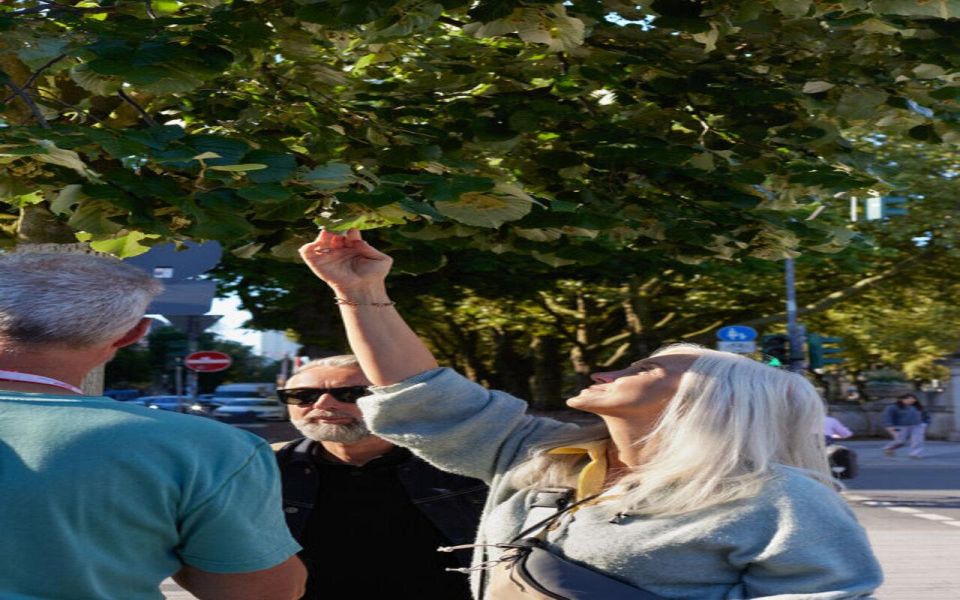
[388, 350]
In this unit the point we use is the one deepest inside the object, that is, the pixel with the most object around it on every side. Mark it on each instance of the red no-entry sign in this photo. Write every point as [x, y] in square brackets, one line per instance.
[207, 361]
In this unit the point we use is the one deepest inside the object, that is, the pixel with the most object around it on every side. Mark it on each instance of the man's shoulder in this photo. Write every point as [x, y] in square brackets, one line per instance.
[155, 425]
[289, 450]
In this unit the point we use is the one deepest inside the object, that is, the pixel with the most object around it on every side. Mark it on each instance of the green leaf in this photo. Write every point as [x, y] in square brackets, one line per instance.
[25, 150]
[816, 87]
[68, 197]
[382, 196]
[124, 246]
[266, 193]
[244, 167]
[943, 9]
[65, 158]
[160, 137]
[248, 250]
[946, 93]
[484, 210]
[279, 166]
[330, 176]
[92, 216]
[21, 200]
[421, 208]
[793, 8]
[454, 187]
[219, 224]
[859, 104]
[362, 219]
[230, 150]
[41, 51]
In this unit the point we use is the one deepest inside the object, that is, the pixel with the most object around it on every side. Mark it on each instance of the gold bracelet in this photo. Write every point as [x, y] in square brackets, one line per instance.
[355, 303]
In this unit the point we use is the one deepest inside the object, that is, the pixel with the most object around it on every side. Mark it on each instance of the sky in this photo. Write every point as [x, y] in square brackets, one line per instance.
[229, 327]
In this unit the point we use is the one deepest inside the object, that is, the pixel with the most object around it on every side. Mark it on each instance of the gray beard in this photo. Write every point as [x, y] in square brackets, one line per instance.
[330, 432]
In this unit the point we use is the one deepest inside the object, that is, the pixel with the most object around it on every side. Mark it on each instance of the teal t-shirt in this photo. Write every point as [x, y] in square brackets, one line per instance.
[100, 500]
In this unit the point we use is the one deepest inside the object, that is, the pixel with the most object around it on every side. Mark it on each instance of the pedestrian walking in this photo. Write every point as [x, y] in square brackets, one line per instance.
[702, 482]
[105, 499]
[906, 421]
[353, 499]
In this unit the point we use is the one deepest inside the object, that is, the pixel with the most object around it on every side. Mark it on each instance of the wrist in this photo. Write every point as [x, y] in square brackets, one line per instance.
[352, 302]
[362, 296]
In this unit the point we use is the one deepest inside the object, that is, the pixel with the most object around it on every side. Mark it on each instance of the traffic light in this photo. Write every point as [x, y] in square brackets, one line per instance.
[884, 207]
[819, 349]
[893, 206]
[776, 346]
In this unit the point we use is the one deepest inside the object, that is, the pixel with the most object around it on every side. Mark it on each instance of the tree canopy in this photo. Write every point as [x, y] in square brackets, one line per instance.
[589, 178]
[672, 129]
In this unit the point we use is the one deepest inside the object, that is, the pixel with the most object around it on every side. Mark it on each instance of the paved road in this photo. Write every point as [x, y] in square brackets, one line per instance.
[910, 509]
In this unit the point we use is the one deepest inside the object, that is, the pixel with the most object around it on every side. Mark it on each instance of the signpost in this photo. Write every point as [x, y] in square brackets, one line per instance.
[739, 339]
[737, 347]
[185, 299]
[207, 361]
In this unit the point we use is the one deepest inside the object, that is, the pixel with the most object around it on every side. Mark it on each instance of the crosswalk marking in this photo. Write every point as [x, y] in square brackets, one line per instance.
[932, 517]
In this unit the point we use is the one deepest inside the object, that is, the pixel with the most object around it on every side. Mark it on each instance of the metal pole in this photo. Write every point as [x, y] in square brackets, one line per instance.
[178, 376]
[193, 342]
[794, 330]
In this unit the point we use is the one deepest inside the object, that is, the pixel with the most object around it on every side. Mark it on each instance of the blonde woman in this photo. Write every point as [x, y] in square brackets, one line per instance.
[708, 482]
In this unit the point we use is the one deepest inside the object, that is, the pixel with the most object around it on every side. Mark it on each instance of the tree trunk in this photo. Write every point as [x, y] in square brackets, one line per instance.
[511, 368]
[583, 358]
[547, 380]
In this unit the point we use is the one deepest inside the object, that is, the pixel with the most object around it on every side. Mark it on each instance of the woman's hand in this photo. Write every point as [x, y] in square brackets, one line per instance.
[346, 262]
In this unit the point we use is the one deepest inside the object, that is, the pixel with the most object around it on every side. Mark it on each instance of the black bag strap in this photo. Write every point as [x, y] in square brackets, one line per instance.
[557, 498]
[544, 523]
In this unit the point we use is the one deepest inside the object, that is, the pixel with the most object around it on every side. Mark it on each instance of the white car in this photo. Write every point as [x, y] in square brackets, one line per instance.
[268, 409]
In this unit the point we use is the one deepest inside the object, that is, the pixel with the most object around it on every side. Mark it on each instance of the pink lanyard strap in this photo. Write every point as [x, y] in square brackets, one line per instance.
[31, 378]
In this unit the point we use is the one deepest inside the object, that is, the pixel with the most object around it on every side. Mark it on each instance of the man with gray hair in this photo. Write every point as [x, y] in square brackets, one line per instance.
[103, 499]
[369, 515]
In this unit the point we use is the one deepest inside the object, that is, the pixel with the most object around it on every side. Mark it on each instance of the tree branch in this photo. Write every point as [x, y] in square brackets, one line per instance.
[448, 21]
[139, 109]
[831, 299]
[29, 82]
[560, 323]
[25, 97]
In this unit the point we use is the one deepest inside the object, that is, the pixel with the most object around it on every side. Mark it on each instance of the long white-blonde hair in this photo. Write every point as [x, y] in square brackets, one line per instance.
[730, 423]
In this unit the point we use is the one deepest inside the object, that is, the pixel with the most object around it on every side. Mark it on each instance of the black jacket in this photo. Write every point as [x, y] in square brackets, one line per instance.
[453, 503]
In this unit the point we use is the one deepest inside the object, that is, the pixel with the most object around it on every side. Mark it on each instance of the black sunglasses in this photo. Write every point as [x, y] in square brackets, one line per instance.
[303, 396]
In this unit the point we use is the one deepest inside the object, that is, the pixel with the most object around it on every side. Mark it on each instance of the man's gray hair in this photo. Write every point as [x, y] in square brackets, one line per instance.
[341, 360]
[77, 300]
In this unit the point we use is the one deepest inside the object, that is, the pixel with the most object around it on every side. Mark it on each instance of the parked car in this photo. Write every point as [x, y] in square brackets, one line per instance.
[174, 403]
[138, 401]
[122, 395]
[267, 409]
[243, 391]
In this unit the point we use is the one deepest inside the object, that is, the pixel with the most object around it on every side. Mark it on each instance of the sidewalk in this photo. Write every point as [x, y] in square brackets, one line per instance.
[911, 510]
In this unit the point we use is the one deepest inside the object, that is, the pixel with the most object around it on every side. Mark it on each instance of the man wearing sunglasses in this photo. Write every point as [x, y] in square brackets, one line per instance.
[369, 515]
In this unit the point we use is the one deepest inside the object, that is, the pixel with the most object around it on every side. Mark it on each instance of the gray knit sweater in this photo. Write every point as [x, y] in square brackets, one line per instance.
[797, 541]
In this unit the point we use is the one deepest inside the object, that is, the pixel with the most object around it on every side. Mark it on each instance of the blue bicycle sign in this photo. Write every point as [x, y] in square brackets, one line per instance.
[736, 333]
